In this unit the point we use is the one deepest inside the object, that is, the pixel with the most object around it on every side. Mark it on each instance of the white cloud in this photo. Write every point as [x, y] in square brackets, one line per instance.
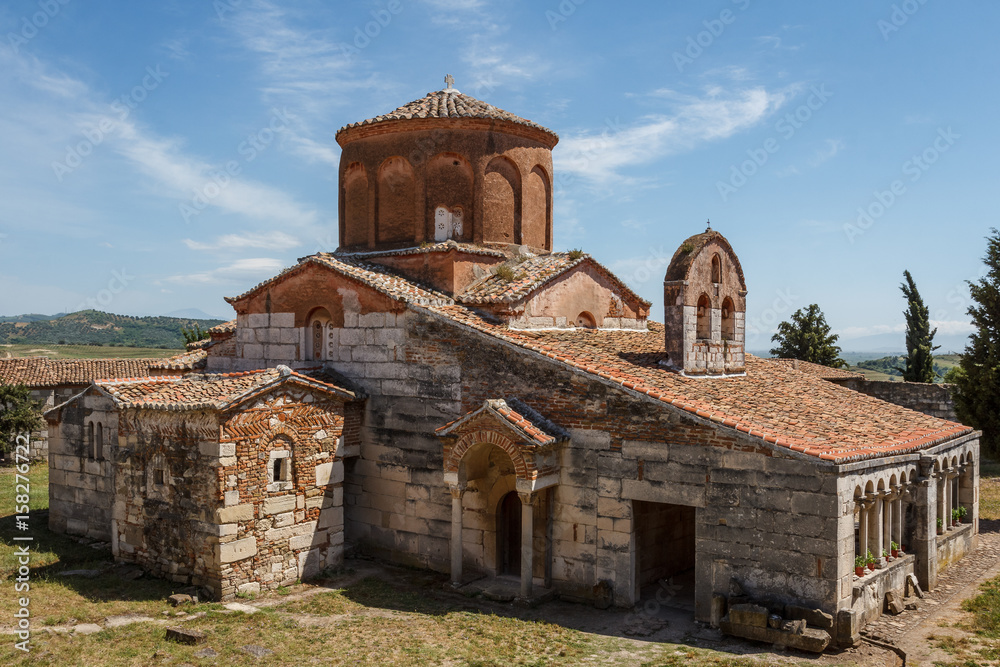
[692, 121]
[274, 240]
[832, 147]
[241, 269]
[952, 327]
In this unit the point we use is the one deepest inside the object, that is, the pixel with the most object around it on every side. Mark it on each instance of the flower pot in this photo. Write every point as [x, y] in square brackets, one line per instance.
[860, 571]
[895, 553]
[871, 566]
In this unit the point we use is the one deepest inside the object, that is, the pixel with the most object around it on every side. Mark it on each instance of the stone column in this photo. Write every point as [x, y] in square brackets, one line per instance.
[897, 516]
[456, 534]
[887, 502]
[862, 527]
[942, 504]
[875, 525]
[924, 540]
[527, 541]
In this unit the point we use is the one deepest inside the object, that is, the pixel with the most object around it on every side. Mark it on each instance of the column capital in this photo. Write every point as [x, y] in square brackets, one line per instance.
[457, 490]
[528, 497]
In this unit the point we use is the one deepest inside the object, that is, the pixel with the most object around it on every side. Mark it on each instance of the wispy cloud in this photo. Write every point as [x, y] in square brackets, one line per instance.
[274, 240]
[240, 270]
[944, 327]
[828, 152]
[691, 122]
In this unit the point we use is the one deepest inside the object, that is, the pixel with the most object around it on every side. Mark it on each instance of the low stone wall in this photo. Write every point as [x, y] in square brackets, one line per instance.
[930, 399]
[870, 590]
[953, 545]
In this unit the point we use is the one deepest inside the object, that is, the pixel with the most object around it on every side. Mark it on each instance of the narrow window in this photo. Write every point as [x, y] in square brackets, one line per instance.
[728, 320]
[158, 477]
[716, 269]
[704, 326]
[90, 439]
[276, 472]
[99, 443]
[317, 345]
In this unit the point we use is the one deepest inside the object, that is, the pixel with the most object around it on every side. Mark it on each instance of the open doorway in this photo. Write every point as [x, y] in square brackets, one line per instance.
[509, 535]
[665, 553]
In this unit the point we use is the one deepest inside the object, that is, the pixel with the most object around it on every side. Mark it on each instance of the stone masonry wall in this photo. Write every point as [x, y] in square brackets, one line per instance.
[931, 399]
[166, 494]
[81, 487]
[272, 533]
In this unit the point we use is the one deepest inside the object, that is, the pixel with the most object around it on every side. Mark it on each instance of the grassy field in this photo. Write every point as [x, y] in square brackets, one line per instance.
[359, 620]
[85, 352]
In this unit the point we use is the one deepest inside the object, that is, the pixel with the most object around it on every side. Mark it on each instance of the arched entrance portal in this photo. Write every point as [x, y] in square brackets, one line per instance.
[509, 535]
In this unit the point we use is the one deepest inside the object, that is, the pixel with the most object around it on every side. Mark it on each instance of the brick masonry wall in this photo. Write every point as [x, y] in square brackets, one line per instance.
[931, 399]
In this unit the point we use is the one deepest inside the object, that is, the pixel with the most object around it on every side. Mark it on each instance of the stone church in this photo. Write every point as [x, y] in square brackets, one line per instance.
[447, 391]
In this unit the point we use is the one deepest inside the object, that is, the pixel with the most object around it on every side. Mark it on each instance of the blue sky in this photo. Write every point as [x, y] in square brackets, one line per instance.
[782, 122]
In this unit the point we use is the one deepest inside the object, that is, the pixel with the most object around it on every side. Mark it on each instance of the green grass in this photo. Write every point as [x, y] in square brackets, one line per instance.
[85, 351]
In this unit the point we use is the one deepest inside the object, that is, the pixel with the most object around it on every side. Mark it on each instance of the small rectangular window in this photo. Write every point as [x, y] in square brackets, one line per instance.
[276, 474]
[158, 477]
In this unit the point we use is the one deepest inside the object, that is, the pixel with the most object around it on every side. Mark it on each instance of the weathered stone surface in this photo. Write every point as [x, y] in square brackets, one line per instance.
[256, 651]
[279, 504]
[811, 639]
[87, 628]
[234, 513]
[814, 617]
[748, 614]
[127, 619]
[797, 627]
[178, 599]
[230, 552]
[894, 603]
[88, 574]
[245, 608]
[175, 633]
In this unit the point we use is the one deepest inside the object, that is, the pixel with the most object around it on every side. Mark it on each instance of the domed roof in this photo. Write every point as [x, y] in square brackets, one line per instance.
[448, 103]
[685, 255]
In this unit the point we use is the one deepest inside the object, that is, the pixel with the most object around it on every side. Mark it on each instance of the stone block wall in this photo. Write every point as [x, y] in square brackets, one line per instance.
[931, 399]
[264, 340]
[81, 487]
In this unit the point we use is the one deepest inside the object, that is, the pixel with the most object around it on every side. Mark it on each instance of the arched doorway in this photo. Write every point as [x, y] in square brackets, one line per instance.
[509, 535]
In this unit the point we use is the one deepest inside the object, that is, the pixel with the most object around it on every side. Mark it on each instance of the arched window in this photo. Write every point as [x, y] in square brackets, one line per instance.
[704, 328]
[728, 320]
[586, 321]
[99, 443]
[318, 332]
[716, 269]
[448, 177]
[90, 439]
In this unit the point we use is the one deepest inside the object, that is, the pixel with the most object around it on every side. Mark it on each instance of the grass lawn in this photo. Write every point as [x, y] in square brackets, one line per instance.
[86, 352]
[358, 621]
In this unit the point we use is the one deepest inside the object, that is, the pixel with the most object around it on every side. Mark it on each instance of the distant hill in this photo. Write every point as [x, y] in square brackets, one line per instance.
[887, 368]
[895, 343]
[195, 314]
[92, 327]
[29, 317]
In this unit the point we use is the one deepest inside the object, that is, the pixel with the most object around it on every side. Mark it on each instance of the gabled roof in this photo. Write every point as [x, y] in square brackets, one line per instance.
[784, 407]
[375, 276]
[447, 103]
[533, 273]
[225, 327]
[45, 372]
[443, 246]
[214, 391]
[530, 426]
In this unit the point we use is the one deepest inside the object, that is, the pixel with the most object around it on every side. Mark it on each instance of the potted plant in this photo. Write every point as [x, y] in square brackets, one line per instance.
[885, 556]
[962, 512]
[940, 525]
[954, 517]
[894, 548]
[870, 560]
[859, 566]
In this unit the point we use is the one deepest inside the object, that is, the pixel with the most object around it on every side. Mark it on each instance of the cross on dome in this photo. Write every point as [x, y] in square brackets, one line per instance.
[449, 80]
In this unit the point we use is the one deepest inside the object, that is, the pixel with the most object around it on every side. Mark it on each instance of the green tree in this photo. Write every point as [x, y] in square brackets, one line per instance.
[977, 390]
[807, 338]
[919, 337]
[19, 414]
[194, 334]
